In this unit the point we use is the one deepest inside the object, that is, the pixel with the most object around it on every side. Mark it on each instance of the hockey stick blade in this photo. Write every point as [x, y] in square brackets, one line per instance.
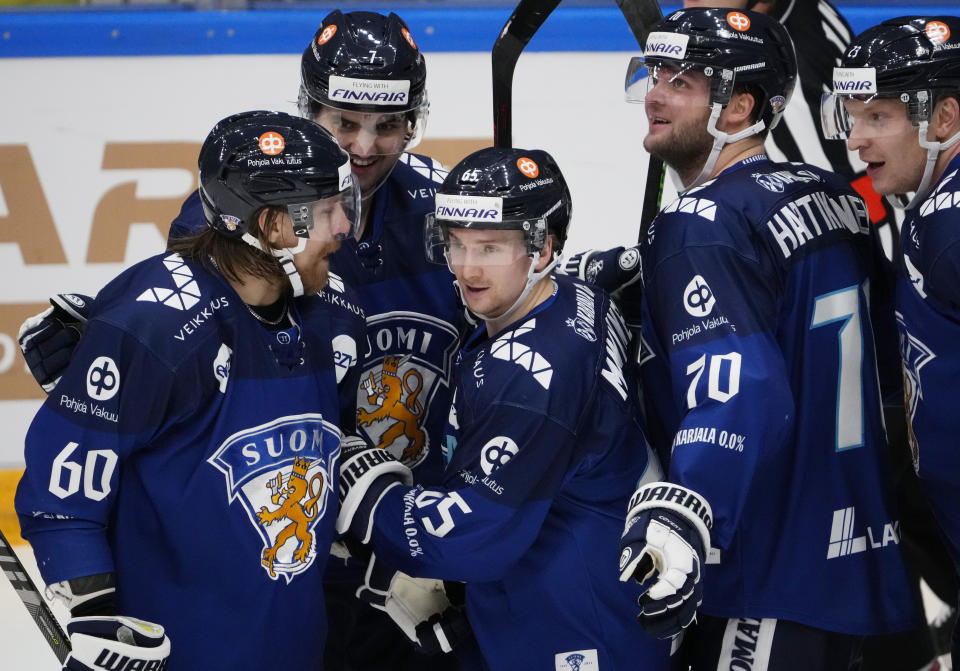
[526, 19]
[641, 16]
[33, 600]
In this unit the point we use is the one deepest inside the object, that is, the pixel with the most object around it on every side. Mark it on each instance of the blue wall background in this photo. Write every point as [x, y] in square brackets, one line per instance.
[266, 28]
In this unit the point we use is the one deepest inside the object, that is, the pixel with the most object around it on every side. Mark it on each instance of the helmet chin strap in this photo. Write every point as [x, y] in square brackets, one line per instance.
[720, 139]
[285, 256]
[933, 153]
[533, 277]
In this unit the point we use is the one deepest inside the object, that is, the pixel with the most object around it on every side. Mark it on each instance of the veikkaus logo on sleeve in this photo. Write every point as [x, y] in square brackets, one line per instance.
[369, 91]
[469, 208]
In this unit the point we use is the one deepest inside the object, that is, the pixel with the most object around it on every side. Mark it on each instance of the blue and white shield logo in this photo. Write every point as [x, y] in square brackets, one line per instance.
[281, 472]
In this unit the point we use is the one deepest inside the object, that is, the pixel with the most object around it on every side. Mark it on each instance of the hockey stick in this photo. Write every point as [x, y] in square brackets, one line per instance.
[33, 600]
[641, 16]
[517, 31]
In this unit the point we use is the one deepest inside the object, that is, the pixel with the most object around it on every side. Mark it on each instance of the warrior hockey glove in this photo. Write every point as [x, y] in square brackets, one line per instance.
[48, 339]
[612, 270]
[115, 642]
[664, 542]
[366, 473]
[419, 606]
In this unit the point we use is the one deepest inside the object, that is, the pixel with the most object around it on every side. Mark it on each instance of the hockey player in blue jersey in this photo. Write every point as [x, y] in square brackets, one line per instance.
[758, 362]
[544, 442]
[376, 106]
[178, 488]
[896, 100]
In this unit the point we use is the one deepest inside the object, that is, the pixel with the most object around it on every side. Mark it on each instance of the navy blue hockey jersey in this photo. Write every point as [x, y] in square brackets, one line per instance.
[545, 449]
[195, 454]
[413, 315]
[758, 360]
[928, 314]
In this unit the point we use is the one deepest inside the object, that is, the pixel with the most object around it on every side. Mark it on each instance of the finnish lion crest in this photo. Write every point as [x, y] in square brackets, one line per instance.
[407, 363]
[280, 473]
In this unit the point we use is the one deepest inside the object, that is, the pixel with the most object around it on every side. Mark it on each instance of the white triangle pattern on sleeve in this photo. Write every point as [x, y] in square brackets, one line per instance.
[507, 348]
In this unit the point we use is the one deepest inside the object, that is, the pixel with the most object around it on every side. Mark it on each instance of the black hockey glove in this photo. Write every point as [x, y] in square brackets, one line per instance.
[612, 270]
[664, 543]
[366, 472]
[418, 606]
[48, 339]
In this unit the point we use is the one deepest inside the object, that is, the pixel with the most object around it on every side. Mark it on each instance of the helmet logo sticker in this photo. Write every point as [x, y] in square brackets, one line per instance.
[666, 45]
[231, 222]
[327, 34]
[271, 143]
[937, 31]
[369, 91]
[408, 37]
[738, 21]
[528, 167]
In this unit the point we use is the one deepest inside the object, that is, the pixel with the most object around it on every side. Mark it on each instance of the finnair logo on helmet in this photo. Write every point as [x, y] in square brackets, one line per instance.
[855, 80]
[344, 173]
[666, 45]
[369, 91]
[469, 208]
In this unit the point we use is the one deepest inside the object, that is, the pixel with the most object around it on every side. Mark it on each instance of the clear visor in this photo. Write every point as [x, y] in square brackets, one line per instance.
[372, 133]
[336, 217]
[473, 243]
[844, 116]
[676, 83]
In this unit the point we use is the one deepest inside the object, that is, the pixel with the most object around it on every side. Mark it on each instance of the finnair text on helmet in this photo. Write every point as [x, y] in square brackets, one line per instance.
[665, 49]
[854, 80]
[863, 86]
[669, 45]
[347, 95]
[467, 213]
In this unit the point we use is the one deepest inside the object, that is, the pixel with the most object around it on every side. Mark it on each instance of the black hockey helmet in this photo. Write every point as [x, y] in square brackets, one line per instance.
[912, 59]
[502, 189]
[731, 48]
[373, 60]
[257, 159]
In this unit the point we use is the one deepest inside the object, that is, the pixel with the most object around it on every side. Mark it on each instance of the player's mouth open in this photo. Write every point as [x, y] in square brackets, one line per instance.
[358, 162]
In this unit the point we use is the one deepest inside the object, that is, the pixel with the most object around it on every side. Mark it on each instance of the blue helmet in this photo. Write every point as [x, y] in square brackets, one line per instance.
[506, 189]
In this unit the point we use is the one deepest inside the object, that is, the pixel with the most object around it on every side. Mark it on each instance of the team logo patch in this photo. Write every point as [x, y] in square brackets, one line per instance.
[280, 472]
[408, 362]
[408, 37]
[496, 453]
[528, 167]
[103, 379]
[768, 182]
[777, 104]
[738, 21]
[698, 299]
[271, 143]
[937, 31]
[327, 34]
[231, 222]
[577, 660]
